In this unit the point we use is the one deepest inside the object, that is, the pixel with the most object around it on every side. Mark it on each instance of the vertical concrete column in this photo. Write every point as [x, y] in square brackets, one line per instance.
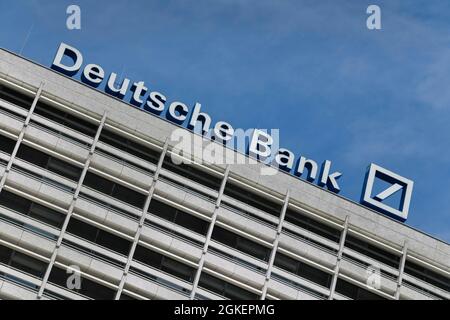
[401, 270]
[142, 220]
[209, 233]
[275, 246]
[21, 134]
[71, 207]
[339, 258]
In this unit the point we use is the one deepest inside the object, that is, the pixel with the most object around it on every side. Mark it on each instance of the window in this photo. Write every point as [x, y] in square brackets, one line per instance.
[354, 292]
[192, 173]
[48, 162]
[22, 262]
[88, 287]
[115, 190]
[108, 136]
[124, 296]
[224, 288]
[31, 209]
[105, 204]
[427, 275]
[240, 243]
[15, 97]
[253, 199]
[98, 236]
[7, 144]
[65, 119]
[372, 251]
[314, 226]
[163, 263]
[172, 214]
[302, 269]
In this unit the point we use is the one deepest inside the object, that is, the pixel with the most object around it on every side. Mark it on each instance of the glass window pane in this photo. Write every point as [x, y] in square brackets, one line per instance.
[178, 269]
[82, 229]
[120, 142]
[7, 144]
[28, 264]
[18, 98]
[253, 199]
[66, 119]
[64, 169]
[372, 251]
[287, 263]
[47, 215]
[192, 173]
[309, 224]
[14, 202]
[240, 243]
[5, 254]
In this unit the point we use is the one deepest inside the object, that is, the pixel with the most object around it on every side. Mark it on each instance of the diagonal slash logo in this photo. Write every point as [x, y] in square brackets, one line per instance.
[396, 183]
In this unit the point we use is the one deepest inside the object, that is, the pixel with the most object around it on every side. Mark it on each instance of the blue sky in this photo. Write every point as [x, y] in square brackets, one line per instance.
[335, 89]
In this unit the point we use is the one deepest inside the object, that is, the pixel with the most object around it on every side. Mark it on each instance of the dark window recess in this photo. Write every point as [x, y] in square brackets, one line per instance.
[253, 199]
[302, 269]
[192, 173]
[427, 275]
[7, 144]
[314, 226]
[109, 137]
[22, 262]
[48, 162]
[65, 119]
[163, 263]
[354, 292]
[88, 287]
[224, 288]
[240, 243]
[31, 209]
[372, 251]
[124, 296]
[98, 236]
[114, 190]
[15, 97]
[179, 217]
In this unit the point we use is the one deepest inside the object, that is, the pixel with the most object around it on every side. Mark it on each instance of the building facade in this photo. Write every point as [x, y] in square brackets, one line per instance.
[93, 207]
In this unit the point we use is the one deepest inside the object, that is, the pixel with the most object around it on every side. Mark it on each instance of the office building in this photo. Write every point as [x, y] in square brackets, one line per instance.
[88, 183]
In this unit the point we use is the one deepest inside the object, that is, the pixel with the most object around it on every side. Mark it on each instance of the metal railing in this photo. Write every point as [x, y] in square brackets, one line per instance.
[160, 281]
[27, 227]
[237, 261]
[300, 287]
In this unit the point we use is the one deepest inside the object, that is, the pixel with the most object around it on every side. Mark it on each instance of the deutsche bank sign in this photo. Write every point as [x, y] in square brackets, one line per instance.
[397, 184]
[69, 61]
